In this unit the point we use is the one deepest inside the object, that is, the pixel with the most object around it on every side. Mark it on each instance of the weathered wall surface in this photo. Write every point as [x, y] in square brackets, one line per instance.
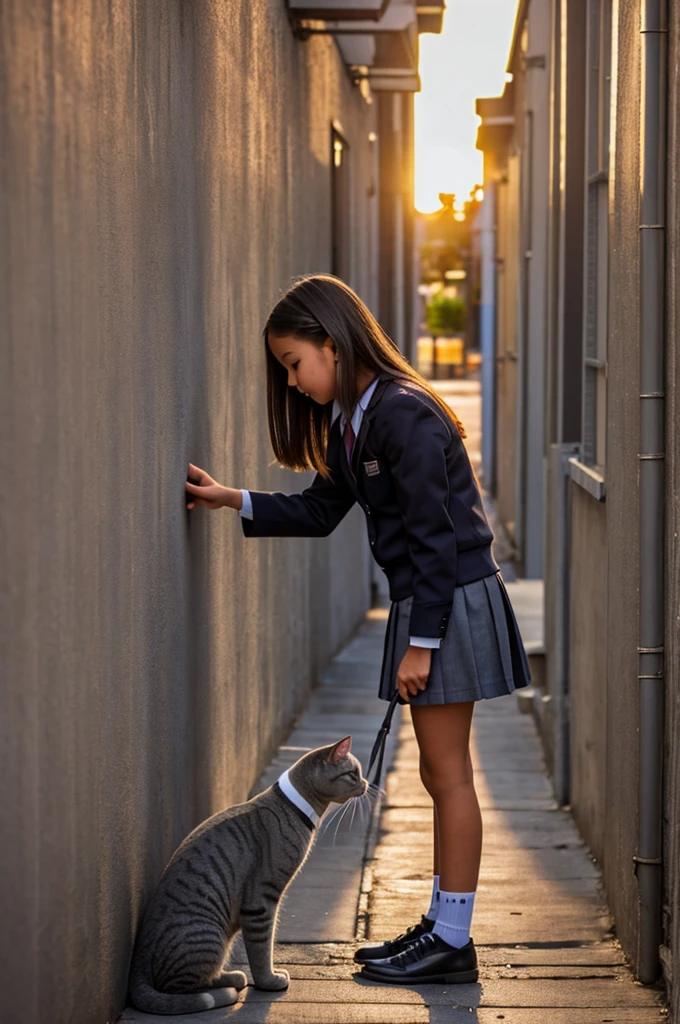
[534, 287]
[587, 665]
[604, 539]
[621, 473]
[164, 173]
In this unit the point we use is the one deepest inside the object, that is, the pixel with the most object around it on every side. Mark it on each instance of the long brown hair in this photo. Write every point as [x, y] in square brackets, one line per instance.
[317, 307]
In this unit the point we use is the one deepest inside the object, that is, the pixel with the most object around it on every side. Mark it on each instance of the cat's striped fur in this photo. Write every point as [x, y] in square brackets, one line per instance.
[230, 874]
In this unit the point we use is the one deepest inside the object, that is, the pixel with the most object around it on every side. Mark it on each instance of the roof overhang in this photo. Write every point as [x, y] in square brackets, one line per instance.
[520, 16]
[350, 10]
[385, 50]
[430, 16]
[498, 121]
[390, 79]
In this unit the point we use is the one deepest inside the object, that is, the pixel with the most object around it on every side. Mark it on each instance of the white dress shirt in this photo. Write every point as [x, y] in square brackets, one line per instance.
[247, 508]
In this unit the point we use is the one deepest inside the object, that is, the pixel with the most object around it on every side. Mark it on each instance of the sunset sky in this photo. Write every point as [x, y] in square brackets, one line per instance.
[466, 61]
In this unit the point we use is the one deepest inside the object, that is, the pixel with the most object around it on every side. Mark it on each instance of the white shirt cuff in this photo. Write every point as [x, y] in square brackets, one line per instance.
[424, 641]
[246, 509]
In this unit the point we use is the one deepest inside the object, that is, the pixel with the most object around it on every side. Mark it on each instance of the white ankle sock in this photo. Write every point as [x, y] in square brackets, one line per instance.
[434, 901]
[454, 917]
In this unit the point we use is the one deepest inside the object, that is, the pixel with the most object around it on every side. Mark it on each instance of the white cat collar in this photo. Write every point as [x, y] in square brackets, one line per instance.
[289, 790]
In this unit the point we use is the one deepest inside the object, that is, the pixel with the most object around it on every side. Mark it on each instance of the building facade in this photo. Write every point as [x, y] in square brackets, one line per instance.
[167, 170]
[607, 216]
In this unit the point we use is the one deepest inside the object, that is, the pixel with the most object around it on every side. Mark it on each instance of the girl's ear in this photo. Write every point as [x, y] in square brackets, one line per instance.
[340, 750]
[329, 343]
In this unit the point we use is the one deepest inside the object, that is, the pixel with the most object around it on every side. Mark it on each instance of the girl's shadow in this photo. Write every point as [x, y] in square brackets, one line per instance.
[448, 1004]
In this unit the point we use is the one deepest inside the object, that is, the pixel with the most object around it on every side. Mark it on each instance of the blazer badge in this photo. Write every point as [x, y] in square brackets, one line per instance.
[372, 468]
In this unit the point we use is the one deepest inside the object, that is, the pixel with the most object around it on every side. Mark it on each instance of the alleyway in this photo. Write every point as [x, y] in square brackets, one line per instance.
[545, 950]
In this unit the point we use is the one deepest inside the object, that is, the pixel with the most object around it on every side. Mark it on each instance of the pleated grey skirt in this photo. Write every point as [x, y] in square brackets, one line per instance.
[481, 654]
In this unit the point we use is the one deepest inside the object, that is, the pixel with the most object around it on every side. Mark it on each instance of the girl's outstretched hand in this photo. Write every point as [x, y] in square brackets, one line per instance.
[414, 671]
[203, 490]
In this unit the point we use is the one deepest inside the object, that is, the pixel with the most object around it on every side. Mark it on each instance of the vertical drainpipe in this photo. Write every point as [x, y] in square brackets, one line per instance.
[651, 482]
[527, 209]
[487, 331]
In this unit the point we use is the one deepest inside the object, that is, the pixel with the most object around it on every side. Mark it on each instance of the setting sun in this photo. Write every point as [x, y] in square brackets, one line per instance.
[466, 61]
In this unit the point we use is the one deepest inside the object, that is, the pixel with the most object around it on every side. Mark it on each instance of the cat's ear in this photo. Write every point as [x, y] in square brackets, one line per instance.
[340, 750]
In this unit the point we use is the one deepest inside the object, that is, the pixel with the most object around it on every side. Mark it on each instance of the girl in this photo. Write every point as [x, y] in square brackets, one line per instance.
[343, 401]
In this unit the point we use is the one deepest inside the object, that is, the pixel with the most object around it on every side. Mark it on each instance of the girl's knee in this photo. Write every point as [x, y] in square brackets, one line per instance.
[441, 779]
[425, 776]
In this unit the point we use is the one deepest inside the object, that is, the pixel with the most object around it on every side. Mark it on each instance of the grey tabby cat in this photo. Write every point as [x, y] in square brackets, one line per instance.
[230, 873]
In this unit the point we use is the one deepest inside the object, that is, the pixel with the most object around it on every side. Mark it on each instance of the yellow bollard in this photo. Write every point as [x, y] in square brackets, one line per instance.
[425, 350]
[450, 356]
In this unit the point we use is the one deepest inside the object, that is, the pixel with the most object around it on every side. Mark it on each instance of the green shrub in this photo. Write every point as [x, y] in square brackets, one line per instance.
[445, 314]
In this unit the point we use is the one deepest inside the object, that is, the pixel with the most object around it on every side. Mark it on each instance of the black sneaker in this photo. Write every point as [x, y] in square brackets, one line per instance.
[428, 959]
[394, 946]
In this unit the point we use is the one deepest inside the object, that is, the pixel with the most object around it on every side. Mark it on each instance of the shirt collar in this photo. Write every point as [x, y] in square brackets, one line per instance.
[361, 407]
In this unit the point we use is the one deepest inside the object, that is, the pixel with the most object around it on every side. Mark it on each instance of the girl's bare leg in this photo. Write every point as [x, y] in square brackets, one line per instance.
[443, 735]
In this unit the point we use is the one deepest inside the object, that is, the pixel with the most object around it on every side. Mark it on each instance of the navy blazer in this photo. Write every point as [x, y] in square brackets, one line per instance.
[412, 476]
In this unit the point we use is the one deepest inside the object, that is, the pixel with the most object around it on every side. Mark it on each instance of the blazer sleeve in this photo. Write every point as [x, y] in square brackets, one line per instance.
[415, 442]
[314, 512]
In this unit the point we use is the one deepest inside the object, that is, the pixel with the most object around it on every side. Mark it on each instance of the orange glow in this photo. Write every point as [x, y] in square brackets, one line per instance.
[467, 61]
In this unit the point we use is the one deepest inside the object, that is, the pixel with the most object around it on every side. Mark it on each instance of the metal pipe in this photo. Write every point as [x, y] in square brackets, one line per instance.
[487, 341]
[648, 860]
[526, 241]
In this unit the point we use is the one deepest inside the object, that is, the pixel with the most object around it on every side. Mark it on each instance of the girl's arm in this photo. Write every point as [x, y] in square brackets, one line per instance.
[315, 512]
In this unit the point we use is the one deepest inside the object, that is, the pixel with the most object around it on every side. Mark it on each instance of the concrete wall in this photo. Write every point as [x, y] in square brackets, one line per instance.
[588, 662]
[591, 569]
[621, 477]
[533, 261]
[605, 778]
[520, 194]
[165, 171]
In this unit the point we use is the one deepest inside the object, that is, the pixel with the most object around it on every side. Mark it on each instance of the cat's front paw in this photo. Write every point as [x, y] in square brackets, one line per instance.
[276, 982]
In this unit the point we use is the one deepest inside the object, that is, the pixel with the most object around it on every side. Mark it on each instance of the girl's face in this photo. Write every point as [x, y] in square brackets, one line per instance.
[311, 368]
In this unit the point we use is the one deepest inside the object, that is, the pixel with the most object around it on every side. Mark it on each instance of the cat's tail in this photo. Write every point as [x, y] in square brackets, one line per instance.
[150, 1000]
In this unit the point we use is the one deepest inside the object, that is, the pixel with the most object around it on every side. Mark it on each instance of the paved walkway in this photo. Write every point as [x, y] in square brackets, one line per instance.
[544, 945]
[545, 952]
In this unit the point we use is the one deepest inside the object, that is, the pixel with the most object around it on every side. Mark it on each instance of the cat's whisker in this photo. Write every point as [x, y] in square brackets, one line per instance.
[344, 812]
[375, 791]
[371, 801]
[354, 811]
[364, 802]
[329, 818]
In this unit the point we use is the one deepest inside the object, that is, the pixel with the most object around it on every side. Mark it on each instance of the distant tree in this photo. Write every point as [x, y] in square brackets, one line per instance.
[444, 314]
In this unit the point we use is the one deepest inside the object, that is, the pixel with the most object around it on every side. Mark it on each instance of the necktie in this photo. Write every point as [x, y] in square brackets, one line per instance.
[349, 438]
